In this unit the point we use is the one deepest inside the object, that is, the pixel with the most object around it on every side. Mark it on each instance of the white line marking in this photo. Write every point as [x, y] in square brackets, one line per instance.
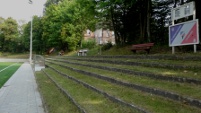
[7, 67]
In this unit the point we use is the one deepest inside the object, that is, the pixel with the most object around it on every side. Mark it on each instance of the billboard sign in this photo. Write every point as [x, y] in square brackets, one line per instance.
[183, 11]
[185, 33]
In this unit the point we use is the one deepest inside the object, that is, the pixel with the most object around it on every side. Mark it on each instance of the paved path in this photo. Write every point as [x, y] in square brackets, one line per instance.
[20, 93]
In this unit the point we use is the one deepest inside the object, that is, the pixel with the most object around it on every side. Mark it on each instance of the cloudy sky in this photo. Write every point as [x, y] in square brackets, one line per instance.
[21, 9]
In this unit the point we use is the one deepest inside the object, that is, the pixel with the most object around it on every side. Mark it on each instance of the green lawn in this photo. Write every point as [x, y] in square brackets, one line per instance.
[7, 69]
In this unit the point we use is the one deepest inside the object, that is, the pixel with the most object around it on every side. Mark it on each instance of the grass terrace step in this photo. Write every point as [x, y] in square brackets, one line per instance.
[149, 63]
[113, 78]
[147, 100]
[187, 73]
[184, 88]
[66, 93]
[54, 100]
[139, 73]
[191, 57]
[143, 84]
[89, 100]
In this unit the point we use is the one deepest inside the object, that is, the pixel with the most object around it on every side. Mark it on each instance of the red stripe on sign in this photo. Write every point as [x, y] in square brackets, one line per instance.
[191, 37]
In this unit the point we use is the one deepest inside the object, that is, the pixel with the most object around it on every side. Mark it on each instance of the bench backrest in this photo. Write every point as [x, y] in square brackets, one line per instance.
[143, 45]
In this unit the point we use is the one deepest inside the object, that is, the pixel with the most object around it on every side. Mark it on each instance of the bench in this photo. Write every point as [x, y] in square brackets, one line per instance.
[82, 52]
[145, 46]
[61, 53]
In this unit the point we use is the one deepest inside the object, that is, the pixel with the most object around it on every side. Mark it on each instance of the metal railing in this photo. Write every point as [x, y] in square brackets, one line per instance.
[38, 62]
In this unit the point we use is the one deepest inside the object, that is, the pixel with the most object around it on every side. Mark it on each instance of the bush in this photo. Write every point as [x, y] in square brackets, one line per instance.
[91, 43]
[107, 46]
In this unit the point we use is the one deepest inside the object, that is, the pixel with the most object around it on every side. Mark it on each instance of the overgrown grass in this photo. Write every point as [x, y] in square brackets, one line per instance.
[8, 72]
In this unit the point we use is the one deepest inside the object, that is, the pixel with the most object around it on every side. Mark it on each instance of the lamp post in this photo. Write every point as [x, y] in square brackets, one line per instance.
[30, 56]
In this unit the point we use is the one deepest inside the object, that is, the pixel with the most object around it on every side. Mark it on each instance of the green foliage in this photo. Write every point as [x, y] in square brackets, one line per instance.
[8, 35]
[70, 35]
[52, 26]
[38, 42]
[120, 16]
[65, 21]
[107, 46]
[89, 44]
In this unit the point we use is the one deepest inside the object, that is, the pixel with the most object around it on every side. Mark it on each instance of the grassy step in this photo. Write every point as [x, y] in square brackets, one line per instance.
[66, 93]
[164, 71]
[180, 88]
[54, 100]
[143, 60]
[89, 100]
[139, 63]
[140, 73]
[191, 57]
[166, 94]
[128, 94]
[164, 62]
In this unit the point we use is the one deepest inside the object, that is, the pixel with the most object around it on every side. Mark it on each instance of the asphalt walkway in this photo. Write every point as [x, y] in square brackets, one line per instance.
[20, 94]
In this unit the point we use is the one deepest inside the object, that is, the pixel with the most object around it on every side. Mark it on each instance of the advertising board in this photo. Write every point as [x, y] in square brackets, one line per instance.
[185, 33]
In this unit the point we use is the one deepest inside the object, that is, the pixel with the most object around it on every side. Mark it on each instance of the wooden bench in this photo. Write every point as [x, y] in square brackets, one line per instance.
[82, 52]
[145, 46]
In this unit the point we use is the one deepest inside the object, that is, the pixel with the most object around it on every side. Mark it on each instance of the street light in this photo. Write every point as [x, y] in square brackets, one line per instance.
[30, 57]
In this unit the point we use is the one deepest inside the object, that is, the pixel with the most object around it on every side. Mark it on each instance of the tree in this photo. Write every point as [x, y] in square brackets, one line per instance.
[9, 34]
[1, 33]
[65, 22]
[161, 20]
[114, 15]
[145, 7]
[51, 2]
[52, 26]
[38, 42]
[79, 15]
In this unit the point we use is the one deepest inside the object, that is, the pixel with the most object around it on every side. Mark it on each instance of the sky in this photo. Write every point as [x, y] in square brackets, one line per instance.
[21, 9]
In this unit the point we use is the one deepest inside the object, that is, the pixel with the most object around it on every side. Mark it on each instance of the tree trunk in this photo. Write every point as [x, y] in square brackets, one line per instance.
[148, 20]
[143, 21]
[198, 16]
[182, 2]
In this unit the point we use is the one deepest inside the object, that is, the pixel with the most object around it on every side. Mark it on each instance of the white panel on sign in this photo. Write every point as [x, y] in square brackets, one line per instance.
[183, 11]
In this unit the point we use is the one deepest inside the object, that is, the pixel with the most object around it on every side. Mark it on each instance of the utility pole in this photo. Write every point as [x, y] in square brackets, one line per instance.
[30, 57]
